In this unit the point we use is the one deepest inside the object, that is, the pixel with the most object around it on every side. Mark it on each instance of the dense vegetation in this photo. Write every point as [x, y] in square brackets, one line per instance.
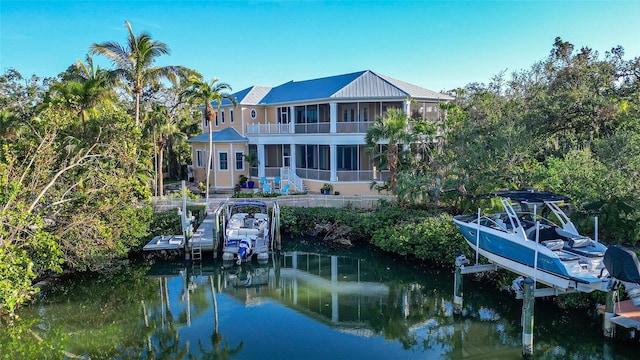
[417, 234]
[570, 124]
[82, 154]
[76, 169]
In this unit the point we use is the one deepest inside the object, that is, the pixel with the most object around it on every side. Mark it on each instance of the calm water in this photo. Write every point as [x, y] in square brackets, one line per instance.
[302, 305]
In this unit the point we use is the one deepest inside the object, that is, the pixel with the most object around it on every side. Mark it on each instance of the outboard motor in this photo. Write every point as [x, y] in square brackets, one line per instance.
[623, 265]
[244, 250]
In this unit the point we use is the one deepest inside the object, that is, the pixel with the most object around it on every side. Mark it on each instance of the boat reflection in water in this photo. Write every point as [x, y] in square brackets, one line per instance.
[313, 306]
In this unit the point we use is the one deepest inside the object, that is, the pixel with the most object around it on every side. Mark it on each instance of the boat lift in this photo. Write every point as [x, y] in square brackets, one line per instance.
[525, 289]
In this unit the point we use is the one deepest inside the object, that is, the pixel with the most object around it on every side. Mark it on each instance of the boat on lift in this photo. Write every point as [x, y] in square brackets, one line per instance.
[248, 231]
[535, 238]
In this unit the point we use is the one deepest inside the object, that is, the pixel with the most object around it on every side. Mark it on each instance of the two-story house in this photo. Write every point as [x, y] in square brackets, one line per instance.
[307, 133]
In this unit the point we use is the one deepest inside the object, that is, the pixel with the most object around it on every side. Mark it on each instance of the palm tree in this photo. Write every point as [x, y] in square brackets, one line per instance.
[83, 88]
[165, 128]
[391, 127]
[134, 63]
[207, 93]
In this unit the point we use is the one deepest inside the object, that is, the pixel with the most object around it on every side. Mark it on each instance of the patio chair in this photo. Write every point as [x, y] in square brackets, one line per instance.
[276, 183]
[285, 189]
[266, 188]
[263, 180]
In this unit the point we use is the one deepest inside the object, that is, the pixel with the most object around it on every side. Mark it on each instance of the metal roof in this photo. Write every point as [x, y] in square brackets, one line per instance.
[226, 135]
[314, 89]
[249, 96]
[357, 85]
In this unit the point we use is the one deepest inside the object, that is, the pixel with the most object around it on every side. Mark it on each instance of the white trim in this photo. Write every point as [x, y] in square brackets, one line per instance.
[253, 113]
[235, 167]
[220, 160]
[199, 161]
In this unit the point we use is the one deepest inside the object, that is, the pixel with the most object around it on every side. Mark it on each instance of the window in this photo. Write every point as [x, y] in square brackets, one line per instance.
[201, 158]
[283, 115]
[223, 163]
[239, 160]
[253, 114]
[222, 113]
[231, 116]
[216, 120]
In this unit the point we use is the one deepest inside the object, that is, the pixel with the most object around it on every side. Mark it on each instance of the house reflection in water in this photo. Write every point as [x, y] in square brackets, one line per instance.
[342, 292]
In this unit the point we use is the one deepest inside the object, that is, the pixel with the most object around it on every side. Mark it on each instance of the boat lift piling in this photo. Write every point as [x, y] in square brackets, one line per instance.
[527, 316]
[608, 328]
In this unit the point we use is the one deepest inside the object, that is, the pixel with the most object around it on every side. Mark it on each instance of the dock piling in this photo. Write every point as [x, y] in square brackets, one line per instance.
[527, 317]
[461, 261]
[608, 328]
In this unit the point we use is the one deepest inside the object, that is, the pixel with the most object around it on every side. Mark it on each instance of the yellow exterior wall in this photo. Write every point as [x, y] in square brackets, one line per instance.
[220, 179]
[344, 188]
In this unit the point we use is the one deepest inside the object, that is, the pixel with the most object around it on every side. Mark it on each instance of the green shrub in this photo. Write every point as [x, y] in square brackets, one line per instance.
[165, 223]
[433, 238]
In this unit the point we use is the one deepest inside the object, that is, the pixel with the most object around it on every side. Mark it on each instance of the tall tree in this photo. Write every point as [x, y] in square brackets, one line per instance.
[392, 127]
[208, 93]
[134, 63]
[164, 126]
[83, 88]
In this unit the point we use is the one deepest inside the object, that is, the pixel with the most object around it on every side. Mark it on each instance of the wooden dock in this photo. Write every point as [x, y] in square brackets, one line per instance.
[203, 237]
[626, 314]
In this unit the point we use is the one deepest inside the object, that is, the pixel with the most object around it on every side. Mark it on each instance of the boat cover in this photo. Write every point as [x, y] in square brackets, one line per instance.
[622, 264]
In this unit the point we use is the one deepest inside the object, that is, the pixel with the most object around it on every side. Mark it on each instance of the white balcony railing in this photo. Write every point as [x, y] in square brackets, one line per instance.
[268, 129]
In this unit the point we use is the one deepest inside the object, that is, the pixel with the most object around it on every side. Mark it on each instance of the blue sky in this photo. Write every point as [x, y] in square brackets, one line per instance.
[439, 45]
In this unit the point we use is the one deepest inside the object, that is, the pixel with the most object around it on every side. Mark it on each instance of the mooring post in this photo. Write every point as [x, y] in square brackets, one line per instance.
[527, 317]
[216, 232]
[609, 310]
[461, 260]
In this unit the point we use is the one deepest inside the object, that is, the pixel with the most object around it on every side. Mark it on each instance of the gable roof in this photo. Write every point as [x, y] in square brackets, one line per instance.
[226, 135]
[362, 84]
[249, 96]
[357, 85]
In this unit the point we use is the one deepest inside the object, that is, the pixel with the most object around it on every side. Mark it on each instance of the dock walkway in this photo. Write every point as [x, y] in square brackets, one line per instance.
[203, 236]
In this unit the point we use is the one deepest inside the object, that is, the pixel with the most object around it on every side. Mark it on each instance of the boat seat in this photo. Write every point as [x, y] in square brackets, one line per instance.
[248, 232]
[582, 246]
[565, 256]
[553, 245]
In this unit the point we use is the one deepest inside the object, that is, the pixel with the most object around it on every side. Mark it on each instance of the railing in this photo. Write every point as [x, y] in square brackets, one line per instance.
[314, 174]
[268, 129]
[362, 175]
[313, 128]
[272, 172]
[358, 127]
[291, 176]
[333, 201]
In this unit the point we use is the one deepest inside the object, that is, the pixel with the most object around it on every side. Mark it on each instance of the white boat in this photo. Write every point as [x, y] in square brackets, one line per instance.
[535, 238]
[247, 231]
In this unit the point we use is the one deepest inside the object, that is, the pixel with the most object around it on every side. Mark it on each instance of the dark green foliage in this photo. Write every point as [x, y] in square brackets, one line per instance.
[165, 223]
[433, 238]
[403, 231]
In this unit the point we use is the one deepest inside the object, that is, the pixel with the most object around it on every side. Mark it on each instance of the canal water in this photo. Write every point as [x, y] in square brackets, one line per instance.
[302, 304]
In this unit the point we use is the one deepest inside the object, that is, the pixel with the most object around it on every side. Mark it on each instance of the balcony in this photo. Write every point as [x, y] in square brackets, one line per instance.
[355, 127]
[254, 129]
